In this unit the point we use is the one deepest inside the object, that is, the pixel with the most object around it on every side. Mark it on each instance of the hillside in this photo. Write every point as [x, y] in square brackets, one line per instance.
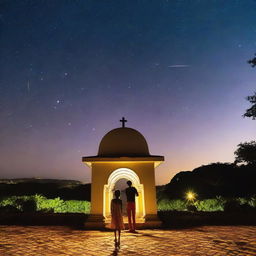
[50, 188]
[217, 179]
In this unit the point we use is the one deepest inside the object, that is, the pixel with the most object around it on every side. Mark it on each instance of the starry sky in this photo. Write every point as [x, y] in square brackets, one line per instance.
[176, 70]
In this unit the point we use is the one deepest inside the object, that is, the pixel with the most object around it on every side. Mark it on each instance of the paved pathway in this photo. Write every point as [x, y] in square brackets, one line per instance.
[208, 240]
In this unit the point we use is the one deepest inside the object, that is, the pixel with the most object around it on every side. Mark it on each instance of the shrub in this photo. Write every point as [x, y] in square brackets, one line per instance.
[42, 204]
[210, 205]
[10, 201]
[191, 208]
[9, 209]
[172, 205]
[29, 205]
[252, 201]
[239, 205]
[232, 205]
[58, 205]
[76, 206]
[49, 205]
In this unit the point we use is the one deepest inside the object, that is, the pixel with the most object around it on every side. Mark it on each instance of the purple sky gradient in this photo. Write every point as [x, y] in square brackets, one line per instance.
[69, 70]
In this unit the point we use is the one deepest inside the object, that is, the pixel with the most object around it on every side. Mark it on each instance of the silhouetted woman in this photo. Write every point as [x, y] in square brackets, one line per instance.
[116, 216]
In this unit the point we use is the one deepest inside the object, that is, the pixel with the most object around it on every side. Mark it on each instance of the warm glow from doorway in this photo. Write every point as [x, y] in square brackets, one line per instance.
[128, 174]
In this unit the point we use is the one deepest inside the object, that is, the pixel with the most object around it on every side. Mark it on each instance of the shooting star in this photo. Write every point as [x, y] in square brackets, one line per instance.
[28, 86]
[179, 66]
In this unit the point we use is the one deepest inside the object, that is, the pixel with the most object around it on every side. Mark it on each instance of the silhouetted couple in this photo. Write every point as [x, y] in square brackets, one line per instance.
[117, 222]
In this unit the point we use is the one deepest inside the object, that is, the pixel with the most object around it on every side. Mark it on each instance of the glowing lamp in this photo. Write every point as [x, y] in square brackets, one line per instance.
[190, 196]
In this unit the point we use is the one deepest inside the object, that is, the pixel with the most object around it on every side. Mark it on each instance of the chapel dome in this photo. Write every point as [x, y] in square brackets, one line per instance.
[123, 142]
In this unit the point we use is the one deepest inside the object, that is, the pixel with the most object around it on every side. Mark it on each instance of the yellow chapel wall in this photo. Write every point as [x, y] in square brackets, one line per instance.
[101, 173]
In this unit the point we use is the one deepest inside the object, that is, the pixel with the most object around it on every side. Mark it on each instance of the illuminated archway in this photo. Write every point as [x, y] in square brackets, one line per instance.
[128, 174]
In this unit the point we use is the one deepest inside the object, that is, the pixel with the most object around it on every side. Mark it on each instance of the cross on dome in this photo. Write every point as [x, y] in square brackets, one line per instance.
[123, 121]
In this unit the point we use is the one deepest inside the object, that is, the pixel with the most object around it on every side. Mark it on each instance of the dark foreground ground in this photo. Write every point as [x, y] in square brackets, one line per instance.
[50, 240]
[170, 219]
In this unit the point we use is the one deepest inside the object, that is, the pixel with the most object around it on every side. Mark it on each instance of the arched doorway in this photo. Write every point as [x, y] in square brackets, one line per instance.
[117, 178]
[121, 185]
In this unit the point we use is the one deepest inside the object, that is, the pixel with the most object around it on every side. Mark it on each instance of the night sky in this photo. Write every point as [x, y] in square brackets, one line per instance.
[176, 70]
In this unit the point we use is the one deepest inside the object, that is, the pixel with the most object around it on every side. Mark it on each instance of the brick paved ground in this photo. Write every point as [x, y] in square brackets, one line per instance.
[208, 240]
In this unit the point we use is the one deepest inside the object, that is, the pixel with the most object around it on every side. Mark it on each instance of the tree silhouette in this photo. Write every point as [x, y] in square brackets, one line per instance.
[252, 62]
[218, 179]
[251, 112]
[246, 153]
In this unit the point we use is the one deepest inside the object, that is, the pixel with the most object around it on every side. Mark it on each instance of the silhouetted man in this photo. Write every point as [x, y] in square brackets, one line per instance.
[131, 192]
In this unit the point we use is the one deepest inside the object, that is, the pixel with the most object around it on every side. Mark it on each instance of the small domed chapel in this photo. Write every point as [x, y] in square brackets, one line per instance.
[123, 155]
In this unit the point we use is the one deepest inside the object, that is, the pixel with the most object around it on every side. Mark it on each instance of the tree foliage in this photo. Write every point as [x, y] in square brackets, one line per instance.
[251, 112]
[252, 62]
[216, 179]
[246, 153]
